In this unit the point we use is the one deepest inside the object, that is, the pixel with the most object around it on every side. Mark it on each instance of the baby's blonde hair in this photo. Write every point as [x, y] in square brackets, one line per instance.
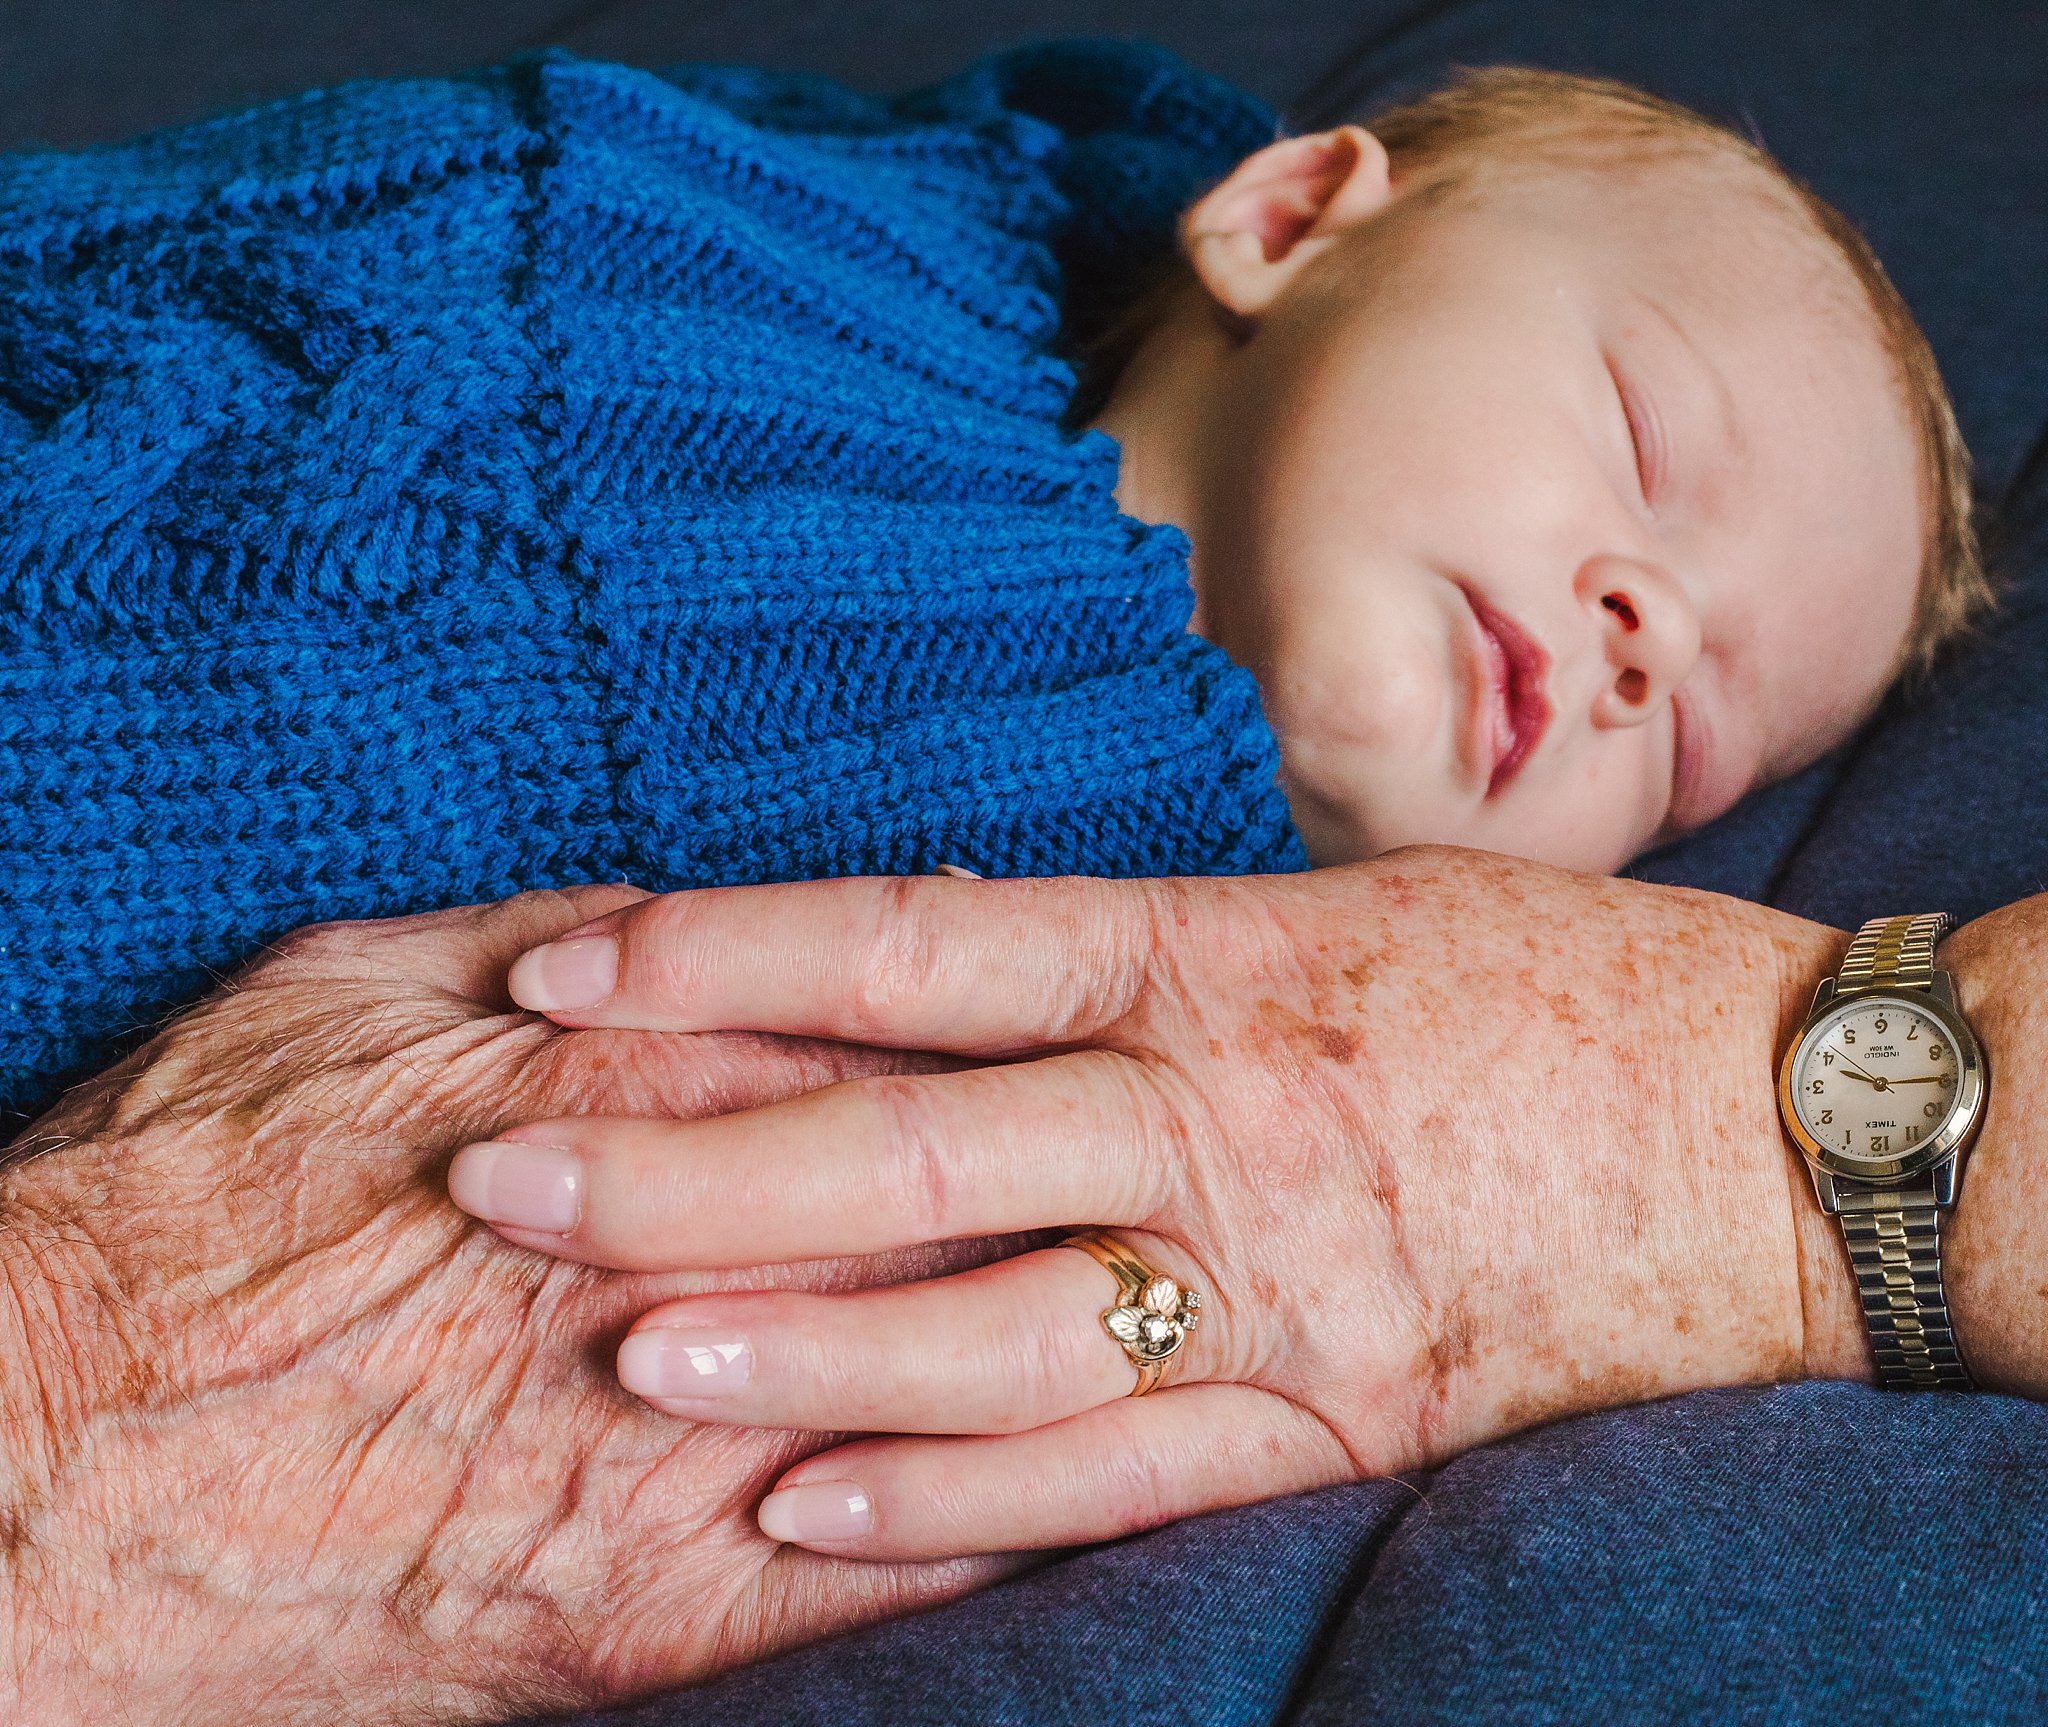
[1502, 119]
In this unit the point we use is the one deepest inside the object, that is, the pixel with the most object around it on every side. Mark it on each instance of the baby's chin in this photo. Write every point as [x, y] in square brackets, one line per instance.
[1337, 831]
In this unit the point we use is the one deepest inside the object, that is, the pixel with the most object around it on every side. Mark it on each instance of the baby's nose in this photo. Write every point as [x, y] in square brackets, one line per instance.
[1649, 634]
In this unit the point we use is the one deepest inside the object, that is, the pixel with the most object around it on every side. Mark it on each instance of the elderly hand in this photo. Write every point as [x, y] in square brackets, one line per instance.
[285, 1438]
[1449, 1143]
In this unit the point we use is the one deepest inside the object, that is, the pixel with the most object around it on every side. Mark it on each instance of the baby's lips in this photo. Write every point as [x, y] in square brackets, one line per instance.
[1520, 711]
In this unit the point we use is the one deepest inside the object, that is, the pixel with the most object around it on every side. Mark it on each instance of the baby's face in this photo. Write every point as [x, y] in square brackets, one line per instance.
[1551, 516]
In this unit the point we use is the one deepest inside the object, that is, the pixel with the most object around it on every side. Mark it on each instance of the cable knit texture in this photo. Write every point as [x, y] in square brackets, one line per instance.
[416, 492]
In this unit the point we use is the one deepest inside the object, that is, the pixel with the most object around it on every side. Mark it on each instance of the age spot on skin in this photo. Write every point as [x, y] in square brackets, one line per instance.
[1314, 1037]
[1338, 1043]
[1452, 1347]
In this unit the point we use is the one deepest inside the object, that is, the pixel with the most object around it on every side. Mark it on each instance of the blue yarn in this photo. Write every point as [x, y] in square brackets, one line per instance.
[416, 492]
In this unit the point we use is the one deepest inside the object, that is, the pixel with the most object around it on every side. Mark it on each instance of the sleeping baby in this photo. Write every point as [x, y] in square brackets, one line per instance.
[1562, 469]
[418, 492]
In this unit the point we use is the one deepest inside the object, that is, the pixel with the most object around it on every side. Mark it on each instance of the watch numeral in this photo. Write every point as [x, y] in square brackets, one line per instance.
[1912, 1031]
[1848, 1034]
[1930, 1110]
[1937, 1052]
[1827, 1118]
[1818, 1087]
[1879, 1023]
[1827, 1058]
[1912, 1135]
[1880, 1142]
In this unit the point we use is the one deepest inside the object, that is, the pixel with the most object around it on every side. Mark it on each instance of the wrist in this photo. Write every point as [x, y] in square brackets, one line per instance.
[1831, 1342]
[1991, 964]
[1996, 1238]
[1699, 1255]
[1834, 1343]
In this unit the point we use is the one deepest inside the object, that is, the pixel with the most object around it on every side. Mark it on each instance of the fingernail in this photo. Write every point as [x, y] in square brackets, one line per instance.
[565, 976]
[665, 1361]
[816, 1511]
[526, 1186]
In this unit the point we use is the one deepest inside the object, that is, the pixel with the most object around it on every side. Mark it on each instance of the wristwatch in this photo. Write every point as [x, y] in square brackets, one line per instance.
[1882, 1090]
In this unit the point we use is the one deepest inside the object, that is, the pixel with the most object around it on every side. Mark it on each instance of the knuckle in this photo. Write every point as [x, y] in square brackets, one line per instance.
[916, 1166]
[664, 951]
[1186, 947]
[632, 1203]
[523, 920]
[587, 900]
[1207, 937]
[1170, 1152]
[321, 949]
[852, 1379]
[1117, 952]
[900, 960]
[1136, 1490]
[1051, 1354]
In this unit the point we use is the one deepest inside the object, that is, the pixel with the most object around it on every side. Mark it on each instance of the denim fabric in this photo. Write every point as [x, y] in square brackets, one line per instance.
[1811, 1553]
[1819, 1553]
[1209, 1622]
[1797, 1554]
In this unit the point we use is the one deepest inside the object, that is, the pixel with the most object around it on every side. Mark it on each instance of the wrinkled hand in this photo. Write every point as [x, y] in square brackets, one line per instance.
[284, 1437]
[1450, 1144]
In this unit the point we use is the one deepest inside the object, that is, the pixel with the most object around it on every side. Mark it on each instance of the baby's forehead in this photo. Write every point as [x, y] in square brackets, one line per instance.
[1674, 194]
[1702, 226]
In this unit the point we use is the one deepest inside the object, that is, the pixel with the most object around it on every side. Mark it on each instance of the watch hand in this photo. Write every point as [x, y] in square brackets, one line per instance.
[1857, 1073]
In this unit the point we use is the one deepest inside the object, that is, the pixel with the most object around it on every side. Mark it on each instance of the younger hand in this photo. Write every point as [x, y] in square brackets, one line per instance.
[1449, 1144]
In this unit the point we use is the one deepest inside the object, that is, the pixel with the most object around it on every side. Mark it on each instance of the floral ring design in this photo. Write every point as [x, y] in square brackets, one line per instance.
[1153, 1314]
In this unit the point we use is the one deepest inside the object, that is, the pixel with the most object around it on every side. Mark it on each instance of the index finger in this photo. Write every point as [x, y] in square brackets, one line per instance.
[918, 962]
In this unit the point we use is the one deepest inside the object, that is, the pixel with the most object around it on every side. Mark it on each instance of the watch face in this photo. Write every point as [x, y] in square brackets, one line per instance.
[1876, 1079]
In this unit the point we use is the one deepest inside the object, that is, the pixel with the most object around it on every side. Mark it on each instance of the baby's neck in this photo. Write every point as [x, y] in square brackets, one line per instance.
[1158, 413]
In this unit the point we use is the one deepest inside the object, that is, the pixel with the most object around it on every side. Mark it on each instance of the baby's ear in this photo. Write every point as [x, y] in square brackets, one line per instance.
[1281, 206]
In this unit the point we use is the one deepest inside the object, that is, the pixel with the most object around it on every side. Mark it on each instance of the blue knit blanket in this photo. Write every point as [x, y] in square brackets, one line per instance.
[416, 492]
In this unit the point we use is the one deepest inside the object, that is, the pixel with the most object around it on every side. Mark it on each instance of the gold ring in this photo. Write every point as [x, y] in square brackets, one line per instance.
[1153, 1314]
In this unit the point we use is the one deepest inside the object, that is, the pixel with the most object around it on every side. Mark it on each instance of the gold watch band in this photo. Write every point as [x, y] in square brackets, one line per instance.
[1894, 1237]
[1892, 953]
[1894, 1233]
